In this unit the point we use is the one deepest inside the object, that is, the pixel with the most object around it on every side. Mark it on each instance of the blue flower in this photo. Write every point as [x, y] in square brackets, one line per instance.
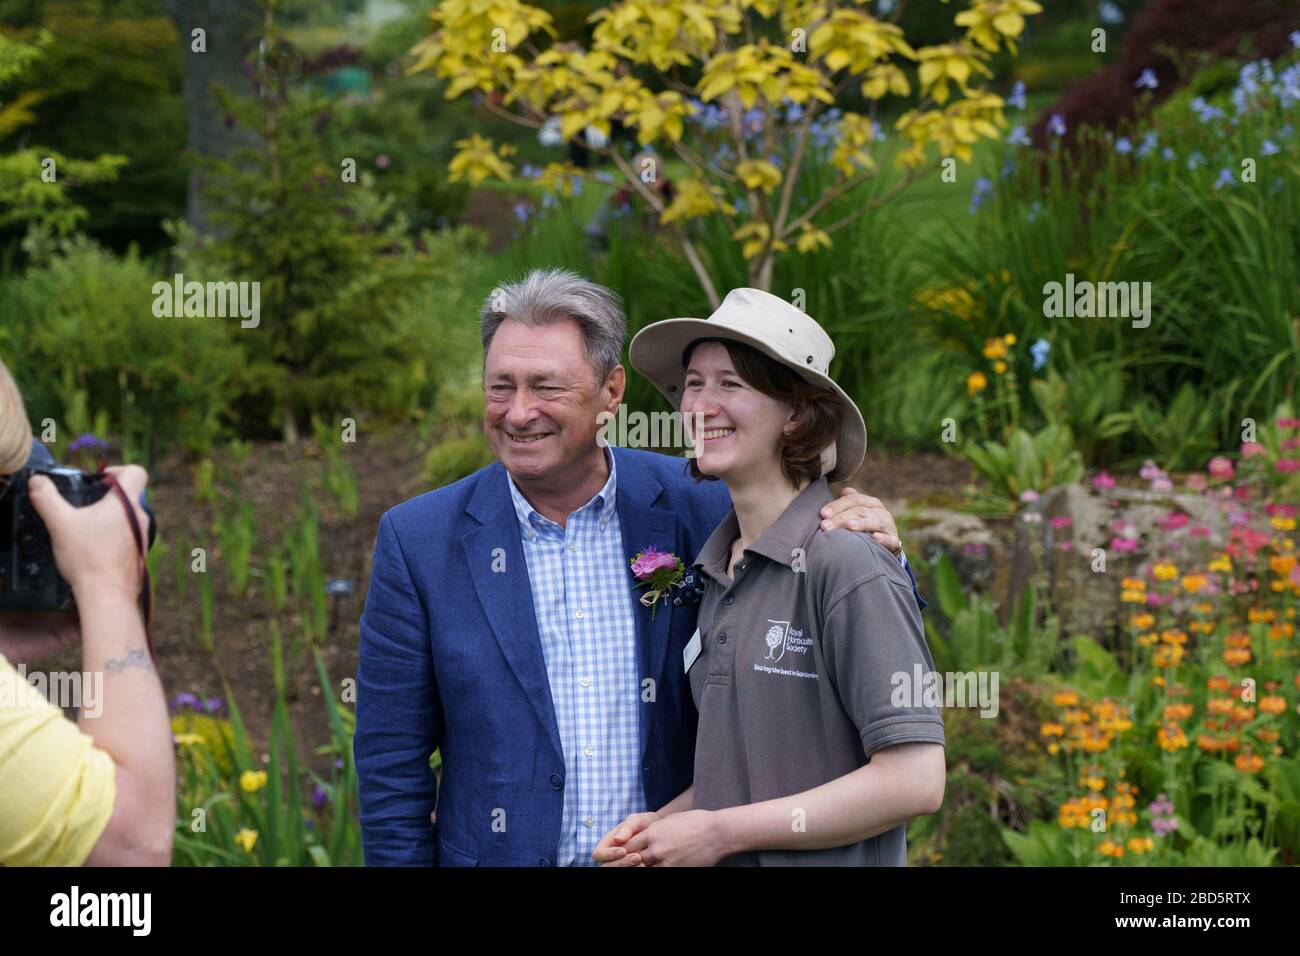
[1110, 12]
[1035, 208]
[1269, 148]
[794, 113]
[1038, 351]
[1225, 178]
[1147, 80]
[1295, 39]
[1017, 97]
[1018, 137]
[1007, 169]
[521, 212]
[1123, 146]
[186, 699]
[1056, 125]
[213, 705]
[1195, 160]
[983, 191]
[1167, 154]
[1149, 143]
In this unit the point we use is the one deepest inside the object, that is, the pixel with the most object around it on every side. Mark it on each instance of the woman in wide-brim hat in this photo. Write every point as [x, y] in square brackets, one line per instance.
[808, 752]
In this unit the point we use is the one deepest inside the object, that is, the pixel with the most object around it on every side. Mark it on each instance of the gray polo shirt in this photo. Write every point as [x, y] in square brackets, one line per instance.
[793, 678]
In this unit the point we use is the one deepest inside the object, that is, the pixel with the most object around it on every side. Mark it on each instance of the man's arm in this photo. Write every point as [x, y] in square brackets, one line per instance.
[399, 715]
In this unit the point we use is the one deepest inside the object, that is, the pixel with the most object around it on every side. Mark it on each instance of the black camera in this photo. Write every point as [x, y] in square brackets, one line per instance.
[29, 579]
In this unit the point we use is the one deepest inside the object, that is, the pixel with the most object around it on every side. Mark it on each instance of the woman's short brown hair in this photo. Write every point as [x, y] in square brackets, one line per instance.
[818, 411]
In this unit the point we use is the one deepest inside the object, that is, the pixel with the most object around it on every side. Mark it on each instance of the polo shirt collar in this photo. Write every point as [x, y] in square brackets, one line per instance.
[602, 502]
[789, 531]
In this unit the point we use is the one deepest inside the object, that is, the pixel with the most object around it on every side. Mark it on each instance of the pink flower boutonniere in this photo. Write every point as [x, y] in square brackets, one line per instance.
[659, 571]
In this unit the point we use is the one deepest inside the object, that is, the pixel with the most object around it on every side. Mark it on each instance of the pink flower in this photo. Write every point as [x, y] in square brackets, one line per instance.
[1200, 531]
[649, 561]
[1249, 449]
[1221, 467]
[1150, 470]
[1293, 578]
[1173, 521]
[1124, 544]
[1162, 484]
[382, 160]
[1029, 496]
[1102, 481]
[1291, 444]
[1287, 464]
[1196, 482]
[1061, 521]
[1288, 423]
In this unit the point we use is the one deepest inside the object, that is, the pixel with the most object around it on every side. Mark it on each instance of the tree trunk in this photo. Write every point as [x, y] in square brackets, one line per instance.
[230, 26]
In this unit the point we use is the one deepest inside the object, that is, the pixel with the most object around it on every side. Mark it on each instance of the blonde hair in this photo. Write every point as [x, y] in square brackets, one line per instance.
[15, 430]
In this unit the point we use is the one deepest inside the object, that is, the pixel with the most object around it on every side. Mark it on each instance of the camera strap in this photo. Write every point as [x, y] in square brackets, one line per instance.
[141, 543]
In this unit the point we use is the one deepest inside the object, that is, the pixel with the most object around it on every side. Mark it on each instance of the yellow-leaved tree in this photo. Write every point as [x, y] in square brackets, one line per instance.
[653, 66]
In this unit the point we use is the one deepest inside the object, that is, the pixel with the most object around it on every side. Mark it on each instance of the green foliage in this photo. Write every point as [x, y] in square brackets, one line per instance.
[109, 82]
[338, 274]
[34, 180]
[1090, 402]
[1182, 435]
[455, 458]
[80, 334]
[1028, 462]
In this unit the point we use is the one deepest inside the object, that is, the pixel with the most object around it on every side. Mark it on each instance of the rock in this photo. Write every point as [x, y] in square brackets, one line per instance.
[967, 541]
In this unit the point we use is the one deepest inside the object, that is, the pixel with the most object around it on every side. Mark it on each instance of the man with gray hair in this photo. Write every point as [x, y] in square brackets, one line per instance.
[501, 626]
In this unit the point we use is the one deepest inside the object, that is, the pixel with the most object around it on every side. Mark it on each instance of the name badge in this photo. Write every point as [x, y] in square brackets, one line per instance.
[692, 651]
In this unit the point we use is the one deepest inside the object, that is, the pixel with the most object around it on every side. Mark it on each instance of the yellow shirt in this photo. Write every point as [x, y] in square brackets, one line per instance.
[56, 787]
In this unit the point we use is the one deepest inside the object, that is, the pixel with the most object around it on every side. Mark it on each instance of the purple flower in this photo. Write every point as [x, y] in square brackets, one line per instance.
[1147, 80]
[983, 190]
[318, 796]
[521, 211]
[1123, 146]
[1109, 12]
[382, 161]
[1269, 148]
[1018, 137]
[186, 699]
[1056, 125]
[1225, 178]
[87, 441]
[649, 561]
[213, 705]
[1017, 97]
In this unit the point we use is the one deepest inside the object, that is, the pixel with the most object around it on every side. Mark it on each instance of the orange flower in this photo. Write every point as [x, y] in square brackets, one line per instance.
[1142, 621]
[1221, 682]
[1272, 705]
[1141, 844]
[1165, 571]
[1249, 762]
[1065, 698]
[1235, 657]
[1171, 738]
[1111, 848]
[1178, 711]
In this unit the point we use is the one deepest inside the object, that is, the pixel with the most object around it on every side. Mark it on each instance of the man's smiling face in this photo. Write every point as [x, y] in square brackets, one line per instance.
[542, 399]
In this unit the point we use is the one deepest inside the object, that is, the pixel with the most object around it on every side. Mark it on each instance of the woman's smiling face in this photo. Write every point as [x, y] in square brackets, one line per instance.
[742, 427]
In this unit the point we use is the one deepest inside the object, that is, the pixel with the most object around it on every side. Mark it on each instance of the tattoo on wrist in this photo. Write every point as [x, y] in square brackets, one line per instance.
[136, 658]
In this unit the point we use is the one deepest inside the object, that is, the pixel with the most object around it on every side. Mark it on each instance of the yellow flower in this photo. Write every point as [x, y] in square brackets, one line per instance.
[1194, 582]
[1165, 571]
[951, 61]
[976, 382]
[1051, 729]
[995, 349]
[1111, 848]
[1000, 367]
[1223, 563]
[1171, 738]
[695, 198]
[246, 839]
[991, 20]
[1141, 621]
[251, 781]
[811, 239]
[1010, 337]
[759, 174]
[1141, 844]
[189, 740]
[476, 161]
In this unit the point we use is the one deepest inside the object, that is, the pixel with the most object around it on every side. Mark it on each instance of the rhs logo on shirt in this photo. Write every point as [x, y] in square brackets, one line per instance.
[782, 639]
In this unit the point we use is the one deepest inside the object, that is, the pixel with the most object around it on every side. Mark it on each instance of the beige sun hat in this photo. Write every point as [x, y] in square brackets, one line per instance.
[779, 331]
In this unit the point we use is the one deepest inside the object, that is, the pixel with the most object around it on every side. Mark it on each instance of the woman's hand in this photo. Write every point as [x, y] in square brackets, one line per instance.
[609, 851]
[689, 838]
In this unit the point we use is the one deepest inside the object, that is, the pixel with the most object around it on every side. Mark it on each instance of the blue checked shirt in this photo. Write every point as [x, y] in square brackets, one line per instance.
[584, 608]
